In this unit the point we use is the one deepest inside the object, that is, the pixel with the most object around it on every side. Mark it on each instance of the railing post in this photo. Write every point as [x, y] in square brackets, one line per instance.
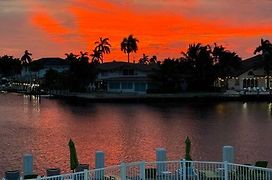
[161, 158]
[183, 169]
[269, 173]
[123, 171]
[142, 170]
[73, 176]
[86, 174]
[28, 164]
[228, 154]
[226, 170]
[99, 164]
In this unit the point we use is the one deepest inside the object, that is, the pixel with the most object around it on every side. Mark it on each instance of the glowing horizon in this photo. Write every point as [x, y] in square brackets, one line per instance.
[163, 27]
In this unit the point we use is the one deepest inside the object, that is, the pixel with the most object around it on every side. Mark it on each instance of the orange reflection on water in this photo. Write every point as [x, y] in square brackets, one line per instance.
[129, 132]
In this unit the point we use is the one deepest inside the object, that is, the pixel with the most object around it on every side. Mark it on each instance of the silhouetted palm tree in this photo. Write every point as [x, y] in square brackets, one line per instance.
[71, 57]
[10, 65]
[96, 57]
[83, 57]
[103, 46]
[168, 76]
[266, 50]
[129, 45]
[26, 58]
[225, 61]
[192, 52]
[199, 59]
[153, 60]
[144, 59]
[217, 52]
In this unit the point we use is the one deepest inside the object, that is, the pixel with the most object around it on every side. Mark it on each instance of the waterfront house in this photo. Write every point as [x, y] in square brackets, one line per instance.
[32, 74]
[38, 68]
[123, 77]
[250, 77]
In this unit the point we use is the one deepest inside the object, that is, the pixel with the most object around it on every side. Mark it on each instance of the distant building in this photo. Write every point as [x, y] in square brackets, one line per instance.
[38, 68]
[251, 76]
[123, 77]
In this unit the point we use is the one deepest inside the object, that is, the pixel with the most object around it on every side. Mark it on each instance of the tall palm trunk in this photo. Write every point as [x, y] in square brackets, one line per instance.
[267, 69]
[267, 81]
[128, 57]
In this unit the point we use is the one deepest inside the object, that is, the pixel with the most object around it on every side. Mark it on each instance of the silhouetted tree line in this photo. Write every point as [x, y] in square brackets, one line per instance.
[265, 48]
[146, 60]
[56, 81]
[9, 65]
[80, 74]
[82, 69]
[196, 69]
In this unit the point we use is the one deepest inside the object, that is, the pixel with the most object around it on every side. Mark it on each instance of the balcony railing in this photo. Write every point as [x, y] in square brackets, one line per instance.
[171, 170]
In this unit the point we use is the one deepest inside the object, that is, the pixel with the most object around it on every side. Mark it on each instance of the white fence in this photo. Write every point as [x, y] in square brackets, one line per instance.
[171, 170]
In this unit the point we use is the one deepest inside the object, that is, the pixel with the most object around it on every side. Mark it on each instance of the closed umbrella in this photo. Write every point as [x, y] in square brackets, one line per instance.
[73, 155]
[187, 149]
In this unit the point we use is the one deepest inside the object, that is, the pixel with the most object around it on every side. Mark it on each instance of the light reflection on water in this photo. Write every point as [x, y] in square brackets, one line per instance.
[129, 132]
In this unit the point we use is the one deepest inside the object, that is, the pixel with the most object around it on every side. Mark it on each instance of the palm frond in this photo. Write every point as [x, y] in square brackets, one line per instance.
[258, 49]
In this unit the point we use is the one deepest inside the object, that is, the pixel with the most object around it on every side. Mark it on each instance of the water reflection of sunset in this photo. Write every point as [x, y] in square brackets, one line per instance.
[129, 132]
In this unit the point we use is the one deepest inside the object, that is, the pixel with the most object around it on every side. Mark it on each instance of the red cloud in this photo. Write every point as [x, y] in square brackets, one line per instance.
[161, 31]
[50, 25]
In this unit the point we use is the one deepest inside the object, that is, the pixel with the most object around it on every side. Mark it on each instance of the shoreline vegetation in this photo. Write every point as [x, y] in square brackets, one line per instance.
[201, 68]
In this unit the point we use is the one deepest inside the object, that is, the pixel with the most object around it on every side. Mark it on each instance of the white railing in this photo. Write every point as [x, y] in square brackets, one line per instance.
[75, 176]
[238, 171]
[171, 170]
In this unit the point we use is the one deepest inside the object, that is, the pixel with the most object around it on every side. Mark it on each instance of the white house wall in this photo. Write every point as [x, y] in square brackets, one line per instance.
[257, 74]
[28, 75]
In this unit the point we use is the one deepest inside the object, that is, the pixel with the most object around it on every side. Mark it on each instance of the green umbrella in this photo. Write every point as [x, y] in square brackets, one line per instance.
[73, 155]
[187, 149]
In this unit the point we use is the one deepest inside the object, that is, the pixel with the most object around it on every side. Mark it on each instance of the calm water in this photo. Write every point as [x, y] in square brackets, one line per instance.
[129, 132]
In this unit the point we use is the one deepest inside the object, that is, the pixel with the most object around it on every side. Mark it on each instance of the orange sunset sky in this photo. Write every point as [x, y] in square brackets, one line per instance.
[51, 28]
